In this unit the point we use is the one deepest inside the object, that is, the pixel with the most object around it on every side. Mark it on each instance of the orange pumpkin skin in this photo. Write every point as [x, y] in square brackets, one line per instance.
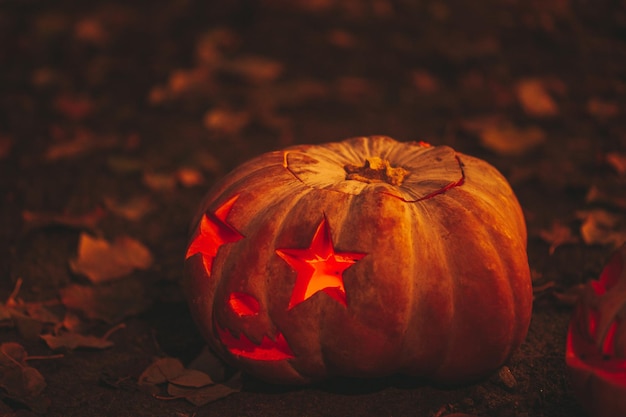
[434, 264]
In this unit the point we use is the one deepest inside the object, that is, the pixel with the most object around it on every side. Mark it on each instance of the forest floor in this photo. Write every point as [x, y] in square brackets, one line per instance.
[116, 117]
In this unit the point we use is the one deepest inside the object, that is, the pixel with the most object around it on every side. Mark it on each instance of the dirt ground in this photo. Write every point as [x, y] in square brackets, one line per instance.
[116, 117]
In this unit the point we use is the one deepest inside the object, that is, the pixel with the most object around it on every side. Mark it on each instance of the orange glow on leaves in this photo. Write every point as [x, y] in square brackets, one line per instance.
[319, 267]
[243, 304]
[591, 345]
[268, 350]
[214, 232]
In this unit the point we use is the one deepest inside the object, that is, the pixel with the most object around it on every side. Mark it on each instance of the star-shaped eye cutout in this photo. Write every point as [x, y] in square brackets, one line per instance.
[319, 267]
[214, 232]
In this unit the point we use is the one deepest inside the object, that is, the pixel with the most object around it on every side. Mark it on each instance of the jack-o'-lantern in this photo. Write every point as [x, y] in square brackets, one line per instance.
[596, 341]
[364, 258]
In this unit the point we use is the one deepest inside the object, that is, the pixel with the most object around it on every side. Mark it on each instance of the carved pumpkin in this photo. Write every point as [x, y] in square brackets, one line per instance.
[596, 341]
[362, 258]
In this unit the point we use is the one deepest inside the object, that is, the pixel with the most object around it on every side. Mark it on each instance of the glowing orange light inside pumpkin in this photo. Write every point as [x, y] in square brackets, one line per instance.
[268, 350]
[319, 267]
[214, 232]
[243, 304]
[593, 349]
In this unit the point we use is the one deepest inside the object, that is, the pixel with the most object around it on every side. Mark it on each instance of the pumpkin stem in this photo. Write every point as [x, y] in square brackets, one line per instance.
[376, 169]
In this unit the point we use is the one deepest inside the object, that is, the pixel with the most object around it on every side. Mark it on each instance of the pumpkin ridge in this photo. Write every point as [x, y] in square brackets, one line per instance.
[253, 225]
[501, 272]
[301, 204]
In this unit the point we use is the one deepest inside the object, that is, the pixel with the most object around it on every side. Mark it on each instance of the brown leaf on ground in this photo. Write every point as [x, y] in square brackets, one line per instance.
[77, 143]
[617, 161]
[341, 38]
[70, 340]
[210, 364]
[534, 98]
[558, 234]
[189, 177]
[18, 381]
[87, 221]
[207, 394]
[601, 227]
[161, 182]
[133, 209]
[102, 261]
[254, 69]
[211, 46]
[607, 194]
[193, 385]
[570, 296]
[161, 371]
[226, 121]
[74, 107]
[11, 354]
[503, 137]
[92, 31]
[192, 378]
[424, 81]
[602, 109]
[28, 318]
[110, 303]
[5, 314]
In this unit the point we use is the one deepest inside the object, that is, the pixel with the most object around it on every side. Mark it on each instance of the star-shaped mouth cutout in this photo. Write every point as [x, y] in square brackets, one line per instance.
[214, 232]
[319, 267]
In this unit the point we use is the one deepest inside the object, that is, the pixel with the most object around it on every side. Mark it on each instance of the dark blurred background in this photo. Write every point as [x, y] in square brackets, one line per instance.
[116, 117]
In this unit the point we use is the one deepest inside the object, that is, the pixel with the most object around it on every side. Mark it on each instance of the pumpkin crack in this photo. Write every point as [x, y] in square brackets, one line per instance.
[442, 190]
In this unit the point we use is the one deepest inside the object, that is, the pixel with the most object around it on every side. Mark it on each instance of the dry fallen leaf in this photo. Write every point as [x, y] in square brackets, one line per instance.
[255, 69]
[341, 38]
[607, 194]
[558, 234]
[425, 82]
[28, 318]
[206, 394]
[18, 381]
[163, 182]
[88, 220]
[168, 375]
[192, 378]
[570, 296]
[76, 143]
[75, 340]
[509, 140]
[110, 303]
[133, 209]
[74, 107]
[102, 261]
[189, 177]
[91, 30]
[70, 340]
[210, 364]
[534, 98]
[226, 121]
[602, 227]
[617, 161]
[602, 109]
[161, 371]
